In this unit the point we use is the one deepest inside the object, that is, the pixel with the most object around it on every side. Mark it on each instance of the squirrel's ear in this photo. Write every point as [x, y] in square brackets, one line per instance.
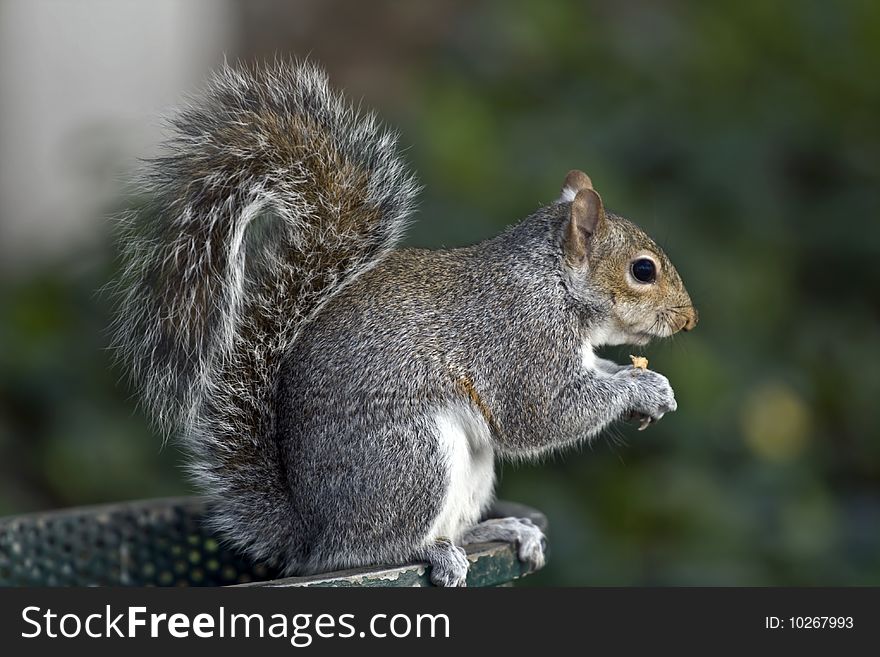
[575, 181]
[585, 215]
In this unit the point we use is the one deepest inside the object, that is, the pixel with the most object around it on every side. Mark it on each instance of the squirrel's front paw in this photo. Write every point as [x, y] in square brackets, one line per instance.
[652, 397]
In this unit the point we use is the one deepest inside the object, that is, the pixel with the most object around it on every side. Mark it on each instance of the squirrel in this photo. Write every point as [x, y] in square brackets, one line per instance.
[343, 401]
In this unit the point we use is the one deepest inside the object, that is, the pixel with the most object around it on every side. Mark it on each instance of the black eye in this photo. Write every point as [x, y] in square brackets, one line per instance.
[643, 270]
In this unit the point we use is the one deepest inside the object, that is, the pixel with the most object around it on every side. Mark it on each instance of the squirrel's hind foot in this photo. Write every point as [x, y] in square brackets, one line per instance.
[449, 563]
[528, 538]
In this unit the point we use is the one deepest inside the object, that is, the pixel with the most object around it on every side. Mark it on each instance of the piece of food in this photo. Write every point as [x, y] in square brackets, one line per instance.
[641, 363]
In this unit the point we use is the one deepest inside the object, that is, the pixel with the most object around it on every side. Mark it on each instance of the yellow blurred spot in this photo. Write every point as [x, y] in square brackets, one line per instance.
[775, 422]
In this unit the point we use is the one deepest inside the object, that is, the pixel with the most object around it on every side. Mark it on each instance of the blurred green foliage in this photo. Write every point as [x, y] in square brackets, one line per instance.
[745, 138]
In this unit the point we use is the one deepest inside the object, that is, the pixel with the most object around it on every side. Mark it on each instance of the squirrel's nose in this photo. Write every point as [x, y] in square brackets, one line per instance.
[692, 320]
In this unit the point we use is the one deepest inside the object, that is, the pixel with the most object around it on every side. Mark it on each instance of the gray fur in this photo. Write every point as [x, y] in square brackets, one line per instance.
[314, 371]
[449, 562]
[365, 474]
[208, 305]
[522, 532]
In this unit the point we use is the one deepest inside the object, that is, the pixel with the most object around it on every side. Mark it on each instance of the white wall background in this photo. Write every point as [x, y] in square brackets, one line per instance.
[81, 86]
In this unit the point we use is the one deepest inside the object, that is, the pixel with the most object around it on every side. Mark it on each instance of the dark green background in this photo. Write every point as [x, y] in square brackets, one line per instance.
[743, 136]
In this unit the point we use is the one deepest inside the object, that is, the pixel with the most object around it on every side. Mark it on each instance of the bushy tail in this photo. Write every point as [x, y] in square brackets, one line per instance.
[272, 194]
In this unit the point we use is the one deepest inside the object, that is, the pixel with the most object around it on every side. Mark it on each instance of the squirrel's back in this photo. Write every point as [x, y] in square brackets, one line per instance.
[272, 195]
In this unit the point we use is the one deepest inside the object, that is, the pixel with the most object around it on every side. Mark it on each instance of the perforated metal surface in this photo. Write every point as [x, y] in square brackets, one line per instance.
[149, 543]
[163, 543]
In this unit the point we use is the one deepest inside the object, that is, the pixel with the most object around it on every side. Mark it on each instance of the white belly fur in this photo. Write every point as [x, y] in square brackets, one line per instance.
[466, 445]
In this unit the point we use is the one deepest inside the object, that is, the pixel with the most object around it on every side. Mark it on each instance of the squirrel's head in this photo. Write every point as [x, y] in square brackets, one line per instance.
[611, 259]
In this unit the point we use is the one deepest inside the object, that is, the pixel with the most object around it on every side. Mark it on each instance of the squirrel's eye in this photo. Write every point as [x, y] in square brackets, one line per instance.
[643, 270]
